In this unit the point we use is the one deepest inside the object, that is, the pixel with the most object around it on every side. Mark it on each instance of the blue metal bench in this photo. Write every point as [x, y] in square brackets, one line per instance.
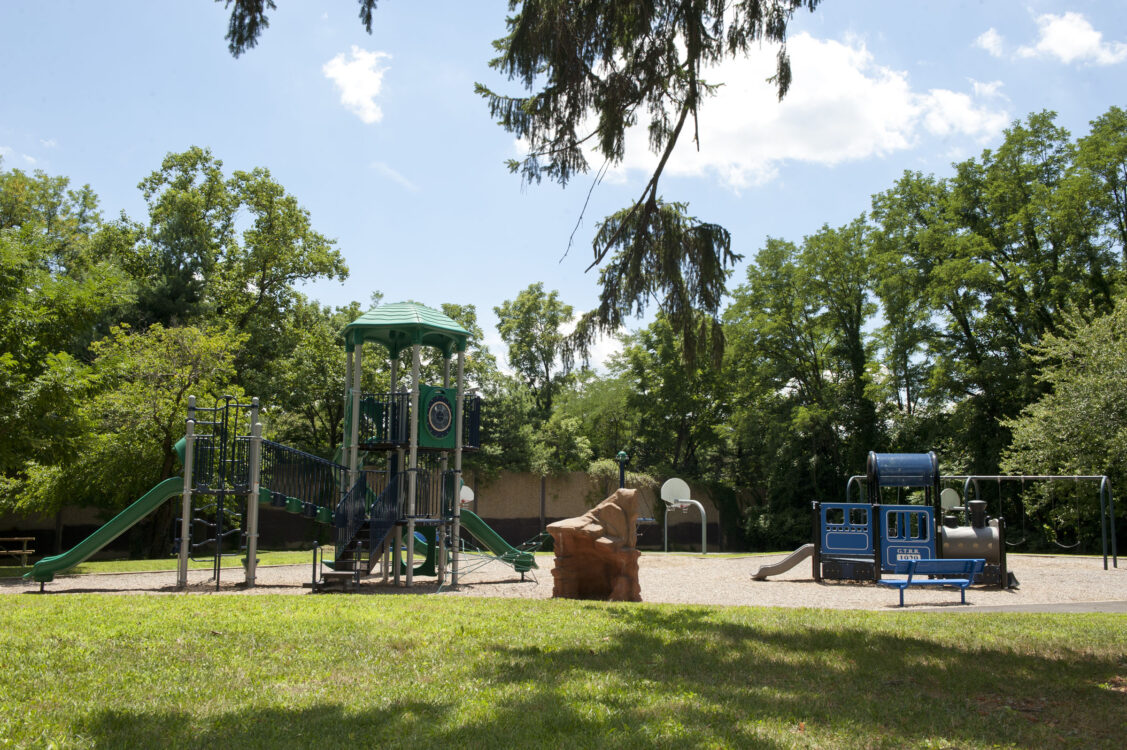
[952, 572]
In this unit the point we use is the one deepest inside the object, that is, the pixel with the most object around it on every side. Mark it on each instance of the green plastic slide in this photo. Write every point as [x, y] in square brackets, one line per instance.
[45, 569]
[521, 561]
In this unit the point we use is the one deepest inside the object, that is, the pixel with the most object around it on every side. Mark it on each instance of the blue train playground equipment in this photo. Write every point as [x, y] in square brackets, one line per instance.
[861, 541]
[392, 498]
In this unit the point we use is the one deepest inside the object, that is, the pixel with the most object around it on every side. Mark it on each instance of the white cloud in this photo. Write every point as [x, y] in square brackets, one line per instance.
[395, 176]
[7, 152]
[48, 142]
[949, 113]
[986, 90]
[842, 106]
[991, 41]
[1070, 38]
[359, 78]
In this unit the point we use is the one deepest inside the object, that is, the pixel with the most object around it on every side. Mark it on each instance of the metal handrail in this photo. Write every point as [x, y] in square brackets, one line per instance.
[351, 513]
[307, 477]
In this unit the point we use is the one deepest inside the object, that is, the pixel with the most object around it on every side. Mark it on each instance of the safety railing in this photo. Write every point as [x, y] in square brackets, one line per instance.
[383, 513]
[471, 435]
[385, 420]
[293, 473]
[351, 513]
[434, 499]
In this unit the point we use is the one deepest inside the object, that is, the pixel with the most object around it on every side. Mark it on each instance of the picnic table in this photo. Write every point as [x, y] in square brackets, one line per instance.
[21, 552]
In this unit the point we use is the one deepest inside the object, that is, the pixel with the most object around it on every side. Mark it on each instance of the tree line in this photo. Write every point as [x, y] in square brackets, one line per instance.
[979, 314]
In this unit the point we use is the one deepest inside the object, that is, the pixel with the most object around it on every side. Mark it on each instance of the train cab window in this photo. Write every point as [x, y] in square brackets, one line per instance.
[918, 527]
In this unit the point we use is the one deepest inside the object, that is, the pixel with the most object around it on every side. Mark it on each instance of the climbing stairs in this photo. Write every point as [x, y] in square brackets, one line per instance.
[363, 521]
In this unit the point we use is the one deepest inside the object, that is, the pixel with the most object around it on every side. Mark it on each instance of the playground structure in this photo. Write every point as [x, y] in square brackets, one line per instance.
[861, 540]
[395, 494]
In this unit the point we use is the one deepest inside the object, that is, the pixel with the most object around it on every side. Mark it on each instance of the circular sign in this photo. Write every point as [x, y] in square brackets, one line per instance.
[439, 416]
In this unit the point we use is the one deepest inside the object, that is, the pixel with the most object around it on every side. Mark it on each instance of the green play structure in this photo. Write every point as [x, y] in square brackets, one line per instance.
[392, 493]
[45, 570]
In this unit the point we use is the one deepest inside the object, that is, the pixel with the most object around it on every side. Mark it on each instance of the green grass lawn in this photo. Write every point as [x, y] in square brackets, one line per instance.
[301, 557]
[169, 563]
[430, 671]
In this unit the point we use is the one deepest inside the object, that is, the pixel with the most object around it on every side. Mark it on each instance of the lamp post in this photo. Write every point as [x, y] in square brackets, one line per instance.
[622, 459]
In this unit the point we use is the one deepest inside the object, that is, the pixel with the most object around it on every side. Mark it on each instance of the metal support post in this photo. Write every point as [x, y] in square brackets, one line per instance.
[392, 560]
[443, 466]
[456, 534]
[186, 500]
[413, 466]
[347, 412]
[252, 494]
[395, 566]
[665, 528]
[354, 437]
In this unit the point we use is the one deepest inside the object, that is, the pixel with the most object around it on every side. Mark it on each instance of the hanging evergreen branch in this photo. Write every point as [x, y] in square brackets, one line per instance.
[665, 256]
[594, 70]
[248, 20]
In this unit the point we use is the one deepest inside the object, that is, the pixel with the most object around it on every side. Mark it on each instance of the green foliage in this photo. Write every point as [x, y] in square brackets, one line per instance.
[508, 428]
[110, 431]
[601, 406]
[1101, 160]
[679, 406]
[604, 473]
[560, 446]
[974, 269]
[91, 410]
[665, 256]
[228, 248]
[304, 387]
[532, 327]
[57, 292]
[1078, 427]
[971, 314]
[803, 421]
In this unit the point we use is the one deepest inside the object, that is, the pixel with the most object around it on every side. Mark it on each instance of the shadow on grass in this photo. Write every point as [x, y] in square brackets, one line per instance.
[539, 720]
[905, 690]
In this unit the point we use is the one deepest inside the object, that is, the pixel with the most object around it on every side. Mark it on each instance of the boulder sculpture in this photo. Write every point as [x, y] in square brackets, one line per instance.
[596, 556]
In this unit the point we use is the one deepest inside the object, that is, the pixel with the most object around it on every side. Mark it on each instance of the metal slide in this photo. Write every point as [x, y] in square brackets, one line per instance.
[794, 558]
[45, 569]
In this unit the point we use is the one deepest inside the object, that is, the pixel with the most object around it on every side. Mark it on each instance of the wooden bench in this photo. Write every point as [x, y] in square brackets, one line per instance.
[22, 552]
[958, 572]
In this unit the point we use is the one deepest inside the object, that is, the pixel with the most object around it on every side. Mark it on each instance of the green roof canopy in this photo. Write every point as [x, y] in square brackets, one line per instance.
[403, 324]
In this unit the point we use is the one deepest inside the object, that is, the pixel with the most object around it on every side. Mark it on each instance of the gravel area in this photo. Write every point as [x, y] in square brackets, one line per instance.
[1047, 582]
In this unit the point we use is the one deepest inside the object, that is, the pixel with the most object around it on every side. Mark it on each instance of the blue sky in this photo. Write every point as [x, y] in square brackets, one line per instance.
[382, 139]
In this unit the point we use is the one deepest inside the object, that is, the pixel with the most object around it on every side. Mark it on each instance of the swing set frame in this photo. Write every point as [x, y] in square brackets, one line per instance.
[1107, 501]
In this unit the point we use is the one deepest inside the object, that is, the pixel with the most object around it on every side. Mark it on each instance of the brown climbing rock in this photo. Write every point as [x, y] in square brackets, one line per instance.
[596, 556]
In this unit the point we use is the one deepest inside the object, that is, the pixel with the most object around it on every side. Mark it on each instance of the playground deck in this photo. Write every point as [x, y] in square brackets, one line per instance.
[1048, 581]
